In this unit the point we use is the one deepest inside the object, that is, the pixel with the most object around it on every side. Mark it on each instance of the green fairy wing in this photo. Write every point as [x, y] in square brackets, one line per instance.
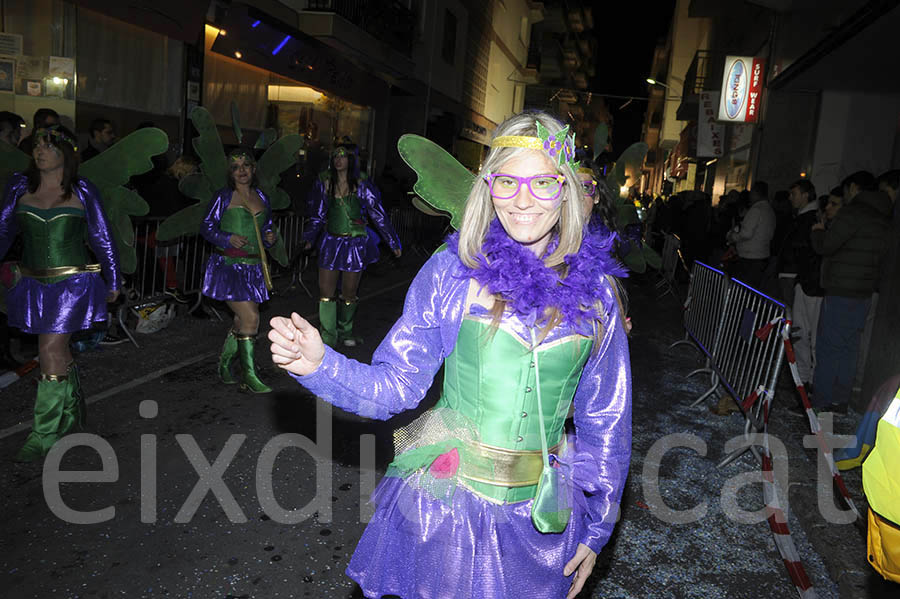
[12, 160]
[280, 156]
[110, 171]
[443, 183]
[601, 139]
[631, 159]
[201, 186]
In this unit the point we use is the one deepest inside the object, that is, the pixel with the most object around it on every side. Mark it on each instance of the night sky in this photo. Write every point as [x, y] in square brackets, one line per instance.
[626, 35]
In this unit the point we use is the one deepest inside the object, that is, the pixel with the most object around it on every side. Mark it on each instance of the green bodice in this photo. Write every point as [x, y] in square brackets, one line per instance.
[345, 216]
[52, 237]
[239, 220]
[491, 381]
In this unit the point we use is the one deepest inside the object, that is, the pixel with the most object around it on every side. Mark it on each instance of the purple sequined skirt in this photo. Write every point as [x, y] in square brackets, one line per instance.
[234, 282]
[350, 254]
[418, 546]
[73, 304]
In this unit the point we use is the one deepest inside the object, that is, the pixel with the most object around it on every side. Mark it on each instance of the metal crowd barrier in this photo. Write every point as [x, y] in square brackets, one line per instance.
[704, 310]
[743, 350]
[671, 258]
[418, 231]
[147, 285]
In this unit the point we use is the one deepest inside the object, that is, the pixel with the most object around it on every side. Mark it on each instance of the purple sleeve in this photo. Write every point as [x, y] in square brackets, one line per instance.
[209, 228]
[318, 214]
[405, 362]
[603, 431]
[371, 201]
[100, 237]
[8, 228]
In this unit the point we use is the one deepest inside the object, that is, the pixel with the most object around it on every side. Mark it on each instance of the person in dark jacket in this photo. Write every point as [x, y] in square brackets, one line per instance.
[852, 248]
[798, 271]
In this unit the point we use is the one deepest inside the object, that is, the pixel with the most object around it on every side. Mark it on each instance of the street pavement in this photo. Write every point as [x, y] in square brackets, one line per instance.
[285, 518]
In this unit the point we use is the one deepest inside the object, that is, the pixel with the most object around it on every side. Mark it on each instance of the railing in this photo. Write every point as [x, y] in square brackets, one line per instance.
[695, 80]
[387, 21]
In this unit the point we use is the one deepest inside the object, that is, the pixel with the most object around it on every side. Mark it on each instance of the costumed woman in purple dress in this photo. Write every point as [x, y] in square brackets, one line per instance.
[57, 289]
[239, 225]
[486, 496]
[342, 204]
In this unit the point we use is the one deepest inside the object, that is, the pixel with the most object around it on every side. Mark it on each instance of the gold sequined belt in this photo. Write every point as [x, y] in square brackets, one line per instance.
[222, 252]
[57, 271]
[503, 467]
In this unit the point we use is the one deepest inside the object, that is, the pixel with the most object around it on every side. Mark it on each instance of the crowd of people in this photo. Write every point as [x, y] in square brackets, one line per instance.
[822, 255]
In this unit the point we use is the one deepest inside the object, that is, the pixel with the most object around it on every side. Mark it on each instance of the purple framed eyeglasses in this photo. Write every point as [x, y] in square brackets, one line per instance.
[589, 188]
[542, 187]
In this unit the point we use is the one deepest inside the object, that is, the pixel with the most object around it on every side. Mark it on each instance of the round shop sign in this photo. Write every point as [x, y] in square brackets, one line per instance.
[737, 88]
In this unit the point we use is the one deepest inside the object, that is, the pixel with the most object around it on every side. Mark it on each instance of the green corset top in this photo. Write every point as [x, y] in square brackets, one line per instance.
[491, 381]
[239, 220]
[52, 237]
[345, 217]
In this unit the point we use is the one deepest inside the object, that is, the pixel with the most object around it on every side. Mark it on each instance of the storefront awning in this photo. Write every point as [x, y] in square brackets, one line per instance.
[178, 19]
[264, 43]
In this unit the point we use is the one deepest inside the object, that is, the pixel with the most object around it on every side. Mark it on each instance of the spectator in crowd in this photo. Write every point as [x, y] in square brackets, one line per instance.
[889, 183]
[799, 269]
[833, 205]
[752, 238]
[852, 248]
[11, 126]
[102, 134]
[43, 118]
[165, 199]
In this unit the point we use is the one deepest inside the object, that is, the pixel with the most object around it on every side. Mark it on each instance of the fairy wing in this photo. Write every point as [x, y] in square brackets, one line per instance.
[601, 139]
[110, 171]
[201, 186]
[280, 156]
[630, 160]
[12, 160]
[443, 183]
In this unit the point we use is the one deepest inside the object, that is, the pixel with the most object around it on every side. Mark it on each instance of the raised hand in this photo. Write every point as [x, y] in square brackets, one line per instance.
[582, 564]
[296, 345]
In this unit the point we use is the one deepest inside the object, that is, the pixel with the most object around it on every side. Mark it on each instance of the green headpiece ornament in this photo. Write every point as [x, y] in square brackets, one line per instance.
[560, 147]
[56, 135]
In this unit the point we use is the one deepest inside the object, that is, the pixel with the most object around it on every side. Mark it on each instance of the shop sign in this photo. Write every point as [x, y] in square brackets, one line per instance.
[710, 132]
[741, 89]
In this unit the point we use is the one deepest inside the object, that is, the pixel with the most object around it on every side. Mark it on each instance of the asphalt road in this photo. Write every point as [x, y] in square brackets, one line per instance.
[283, 517]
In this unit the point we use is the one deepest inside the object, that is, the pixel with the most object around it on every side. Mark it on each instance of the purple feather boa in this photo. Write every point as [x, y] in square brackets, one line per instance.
[510, 270]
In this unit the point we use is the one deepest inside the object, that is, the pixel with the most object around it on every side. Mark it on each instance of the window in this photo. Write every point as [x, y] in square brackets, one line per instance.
[448, 49]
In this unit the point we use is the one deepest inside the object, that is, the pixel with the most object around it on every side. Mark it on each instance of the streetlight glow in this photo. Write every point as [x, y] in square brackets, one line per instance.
[651, 81]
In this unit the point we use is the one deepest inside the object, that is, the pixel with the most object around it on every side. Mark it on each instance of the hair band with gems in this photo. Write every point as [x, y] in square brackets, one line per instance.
[55, 135]
[560, 147]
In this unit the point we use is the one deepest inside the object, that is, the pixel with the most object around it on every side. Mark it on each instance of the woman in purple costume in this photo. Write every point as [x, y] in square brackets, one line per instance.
[238, 218]
[522, 313]
[56, 289]
[342, 204]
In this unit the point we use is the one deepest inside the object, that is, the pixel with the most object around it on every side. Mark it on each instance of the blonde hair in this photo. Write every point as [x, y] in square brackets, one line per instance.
[479, 211]
[183, 166]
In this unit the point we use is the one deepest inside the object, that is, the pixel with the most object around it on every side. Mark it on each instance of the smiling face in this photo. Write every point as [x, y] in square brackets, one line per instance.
[242, 170]
[526, 219]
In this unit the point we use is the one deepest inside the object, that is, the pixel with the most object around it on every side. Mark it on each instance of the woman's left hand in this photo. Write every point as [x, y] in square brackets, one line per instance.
[112, 296]
[582, 564]
[398, 253]
[270, 237]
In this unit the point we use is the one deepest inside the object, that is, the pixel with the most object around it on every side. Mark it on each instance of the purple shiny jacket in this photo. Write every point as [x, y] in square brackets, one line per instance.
[372, 209]
[100, 238]
[404, 364]
[209, 228]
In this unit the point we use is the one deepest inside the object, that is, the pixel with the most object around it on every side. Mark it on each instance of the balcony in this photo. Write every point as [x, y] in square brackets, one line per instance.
[387, 21]
[699, 77]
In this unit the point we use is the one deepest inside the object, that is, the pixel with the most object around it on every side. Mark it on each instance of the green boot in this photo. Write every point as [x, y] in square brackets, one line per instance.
[74, 414]
[229, 350]
[346, 310]
[48, 410]
[328, 320]
[251, 382]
